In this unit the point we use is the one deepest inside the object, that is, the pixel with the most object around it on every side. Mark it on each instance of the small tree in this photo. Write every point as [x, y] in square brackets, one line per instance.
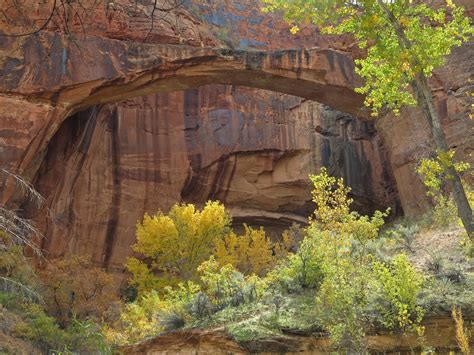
[253, 252]
[173, 246]
[405, 41]
[350, 277]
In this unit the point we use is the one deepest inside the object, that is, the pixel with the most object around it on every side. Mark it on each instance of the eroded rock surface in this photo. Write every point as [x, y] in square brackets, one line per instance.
[250, 149]
[102, 163]
[439, 335]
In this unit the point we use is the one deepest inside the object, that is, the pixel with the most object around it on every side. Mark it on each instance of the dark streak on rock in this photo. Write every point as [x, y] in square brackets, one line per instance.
[215, 188]
[254, 60]
[90, 119]
[89, 130]
[229, 180]
[62, 147]
[116, 190]
[341, 61]
[276, 59]
[11, 73]
[330, 58]
[307, 57]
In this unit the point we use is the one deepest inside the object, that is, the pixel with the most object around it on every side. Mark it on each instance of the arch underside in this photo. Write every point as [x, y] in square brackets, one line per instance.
[62, 94]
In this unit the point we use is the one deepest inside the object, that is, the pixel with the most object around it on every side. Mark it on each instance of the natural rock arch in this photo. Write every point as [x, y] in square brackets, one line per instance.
[57, 78]
[101, 71]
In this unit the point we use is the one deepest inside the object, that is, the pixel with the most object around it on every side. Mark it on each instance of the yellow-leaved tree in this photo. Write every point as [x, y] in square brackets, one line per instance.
[172, 246]
[253, 252]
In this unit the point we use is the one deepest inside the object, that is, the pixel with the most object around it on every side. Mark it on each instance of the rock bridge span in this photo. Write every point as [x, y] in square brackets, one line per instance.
[45, 79]
[97, 71]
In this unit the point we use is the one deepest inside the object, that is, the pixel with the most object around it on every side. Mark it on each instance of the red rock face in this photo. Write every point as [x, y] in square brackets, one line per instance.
[102, 163]
[250, 149]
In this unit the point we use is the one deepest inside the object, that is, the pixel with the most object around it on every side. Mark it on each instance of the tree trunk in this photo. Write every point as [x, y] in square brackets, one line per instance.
[425, 99]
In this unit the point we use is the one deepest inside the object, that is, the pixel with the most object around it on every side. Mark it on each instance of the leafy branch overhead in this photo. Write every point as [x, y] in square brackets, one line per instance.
[391, 64]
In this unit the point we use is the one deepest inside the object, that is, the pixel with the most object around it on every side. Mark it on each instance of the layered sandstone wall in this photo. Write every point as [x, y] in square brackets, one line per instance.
[250, 149]
[102, 168]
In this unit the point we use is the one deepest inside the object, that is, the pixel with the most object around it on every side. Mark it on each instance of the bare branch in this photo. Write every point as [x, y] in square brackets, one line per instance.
[25, 187]
[163, 17]
[20, 229]
[9, 285]
[45, 24]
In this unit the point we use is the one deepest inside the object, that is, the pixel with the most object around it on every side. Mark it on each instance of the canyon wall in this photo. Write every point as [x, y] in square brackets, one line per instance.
[250, 149]
[103, 165]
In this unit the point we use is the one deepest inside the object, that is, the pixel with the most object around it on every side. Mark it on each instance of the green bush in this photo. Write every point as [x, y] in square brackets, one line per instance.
[19, 285]
[41, 329]
[300, 270]
[400, 285]
[225, 286]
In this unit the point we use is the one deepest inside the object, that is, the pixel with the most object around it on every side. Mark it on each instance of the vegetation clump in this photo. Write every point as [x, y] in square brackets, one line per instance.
[345, 278]
[345, 275]
[33, 300]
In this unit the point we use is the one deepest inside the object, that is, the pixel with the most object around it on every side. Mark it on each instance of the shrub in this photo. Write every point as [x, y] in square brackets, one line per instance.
[331, 199]
[151, 313]
[74, 287]
[293, 237]
[13, 264]
[226, 286]
[137, 321]
[400, 286]
[342, 300]
[404, 235]
[434, 175]
[86, 337]
[340, 241]
[172, 320]
[41, 329]
[300, 270]
[18, 281]
[439, 295]
[200, 306]
[343, 243]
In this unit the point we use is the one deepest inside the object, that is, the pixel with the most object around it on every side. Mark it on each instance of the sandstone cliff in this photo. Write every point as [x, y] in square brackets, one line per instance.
[101, 162]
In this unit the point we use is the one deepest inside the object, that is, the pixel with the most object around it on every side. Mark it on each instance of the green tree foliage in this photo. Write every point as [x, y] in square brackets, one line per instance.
[43, 330]
[405, 41]
[390, 66]
[299, 271]
[345, 278]
[434, 174]
[218, 288]
[16, 275]
[175, 244]
[226, 286]
[35, 301]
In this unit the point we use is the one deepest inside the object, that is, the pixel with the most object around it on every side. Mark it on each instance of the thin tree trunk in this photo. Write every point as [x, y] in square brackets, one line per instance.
[425, 99]
[431, 115]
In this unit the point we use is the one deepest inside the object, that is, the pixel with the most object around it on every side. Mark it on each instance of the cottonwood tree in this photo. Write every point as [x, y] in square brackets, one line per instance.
[172, 246]
[405, 41]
